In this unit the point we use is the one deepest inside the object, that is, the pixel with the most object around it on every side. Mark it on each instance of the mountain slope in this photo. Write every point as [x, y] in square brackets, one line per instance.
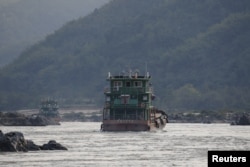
[23, 22]
[215, 65]
[190, 48]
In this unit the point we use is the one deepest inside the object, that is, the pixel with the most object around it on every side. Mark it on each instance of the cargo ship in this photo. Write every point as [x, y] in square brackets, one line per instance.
[49, 109]
[128, 104]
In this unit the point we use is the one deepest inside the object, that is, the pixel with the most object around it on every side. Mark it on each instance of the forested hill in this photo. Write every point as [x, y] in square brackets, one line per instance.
[196, 51]
[23, 22]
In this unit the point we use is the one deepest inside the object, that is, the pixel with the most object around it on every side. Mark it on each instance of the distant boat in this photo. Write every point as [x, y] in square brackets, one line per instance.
[49, 109]
[128, 104]
[48, 115]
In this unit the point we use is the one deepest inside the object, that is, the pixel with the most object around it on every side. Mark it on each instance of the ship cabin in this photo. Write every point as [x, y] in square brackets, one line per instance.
[49, 108]
[128, 100]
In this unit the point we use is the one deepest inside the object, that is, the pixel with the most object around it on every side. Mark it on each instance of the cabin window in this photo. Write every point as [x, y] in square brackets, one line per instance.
[128, 84]
[145, 98]
[138, 84]
[117, 84]
[108, 98]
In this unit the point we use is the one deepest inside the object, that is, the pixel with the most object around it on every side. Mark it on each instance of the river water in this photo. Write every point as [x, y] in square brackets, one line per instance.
[176, 145]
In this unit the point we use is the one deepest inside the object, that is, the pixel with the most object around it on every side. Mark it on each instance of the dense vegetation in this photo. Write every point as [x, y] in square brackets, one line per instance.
[23, 22]
[197, 52]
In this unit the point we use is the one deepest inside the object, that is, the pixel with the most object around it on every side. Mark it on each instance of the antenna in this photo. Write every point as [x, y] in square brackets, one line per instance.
[146, 68]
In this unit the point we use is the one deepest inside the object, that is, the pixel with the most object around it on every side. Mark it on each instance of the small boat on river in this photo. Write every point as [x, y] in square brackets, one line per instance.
[49, 109]
[128, 104]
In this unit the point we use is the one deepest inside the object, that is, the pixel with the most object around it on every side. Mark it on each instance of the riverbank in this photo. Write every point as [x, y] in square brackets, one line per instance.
[93, 114]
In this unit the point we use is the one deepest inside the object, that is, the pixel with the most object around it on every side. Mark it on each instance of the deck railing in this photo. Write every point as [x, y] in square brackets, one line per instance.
[129, 90]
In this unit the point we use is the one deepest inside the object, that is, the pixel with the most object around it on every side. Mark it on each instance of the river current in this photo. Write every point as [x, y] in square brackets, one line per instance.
[176, 145]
